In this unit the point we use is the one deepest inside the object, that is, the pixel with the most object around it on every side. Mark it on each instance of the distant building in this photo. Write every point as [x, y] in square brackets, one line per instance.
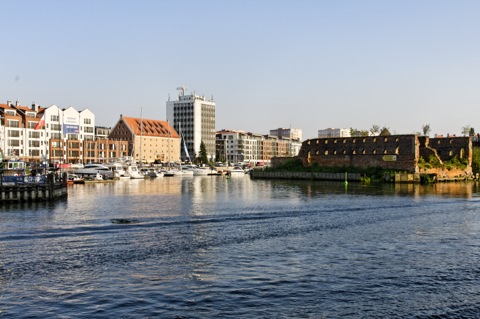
[249, 148]
[38, 134]
[102, 132]
[333, 132]
[193, 117]
[293, 133]
[148, 140]
[395, 152]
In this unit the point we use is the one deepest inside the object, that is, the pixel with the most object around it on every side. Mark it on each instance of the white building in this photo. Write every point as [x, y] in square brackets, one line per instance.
[62, 125]
[20, 139]
[193, 117]
[334, 132]
[249, 148]
[293, 133]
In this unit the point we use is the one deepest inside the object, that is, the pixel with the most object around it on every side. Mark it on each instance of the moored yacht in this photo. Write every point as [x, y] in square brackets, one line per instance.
[94, 169]
[133, 172]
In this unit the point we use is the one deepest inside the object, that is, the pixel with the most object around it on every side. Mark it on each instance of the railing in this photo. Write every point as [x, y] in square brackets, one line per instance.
[16, 180]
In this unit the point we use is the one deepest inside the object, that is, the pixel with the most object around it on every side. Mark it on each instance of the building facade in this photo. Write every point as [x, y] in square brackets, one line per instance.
[249, 148]
[293, 133]
[193, 117]
[334, 132]
[148, 141]
[396, 152]
[37, 134]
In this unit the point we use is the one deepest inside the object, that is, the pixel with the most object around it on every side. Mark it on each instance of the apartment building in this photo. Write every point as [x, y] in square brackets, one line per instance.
[38, 134]
[245, 147]
[292, 133]
[334, 132]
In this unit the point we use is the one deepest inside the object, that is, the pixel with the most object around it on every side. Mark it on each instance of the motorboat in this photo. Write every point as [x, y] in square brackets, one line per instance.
[133, 172]
[177, 172]
[237, 171]
[118, 170]
[204, 171]
[149, 172]
[91, 170]
[74, 179]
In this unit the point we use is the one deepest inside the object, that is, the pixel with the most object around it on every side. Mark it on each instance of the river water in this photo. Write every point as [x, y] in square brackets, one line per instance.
[211, 247]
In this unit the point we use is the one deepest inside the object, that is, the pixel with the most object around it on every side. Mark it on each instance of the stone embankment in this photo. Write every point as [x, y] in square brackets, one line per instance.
[350, 177]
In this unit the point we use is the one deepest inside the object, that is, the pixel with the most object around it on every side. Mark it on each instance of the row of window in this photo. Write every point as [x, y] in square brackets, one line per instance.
[355, 152]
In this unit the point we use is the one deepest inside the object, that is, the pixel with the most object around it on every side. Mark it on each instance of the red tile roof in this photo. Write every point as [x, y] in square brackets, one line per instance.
[150, 127]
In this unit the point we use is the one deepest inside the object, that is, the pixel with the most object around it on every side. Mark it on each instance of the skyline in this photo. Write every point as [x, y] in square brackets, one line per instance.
[308, 65]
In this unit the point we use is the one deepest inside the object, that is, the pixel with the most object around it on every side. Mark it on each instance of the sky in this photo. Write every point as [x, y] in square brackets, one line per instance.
[311, 65]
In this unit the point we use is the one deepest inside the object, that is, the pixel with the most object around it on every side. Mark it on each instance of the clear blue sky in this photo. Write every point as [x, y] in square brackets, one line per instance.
[268, 64]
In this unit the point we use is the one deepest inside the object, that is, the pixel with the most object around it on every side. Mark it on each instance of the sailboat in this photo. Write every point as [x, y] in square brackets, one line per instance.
[170, 171]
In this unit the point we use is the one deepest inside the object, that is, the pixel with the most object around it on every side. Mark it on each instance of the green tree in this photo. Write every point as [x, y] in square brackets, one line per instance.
[375, 129]
[218, 157]
[203, 153]
[476, 160]
[426, 129]
[466, 130]
[472, 132]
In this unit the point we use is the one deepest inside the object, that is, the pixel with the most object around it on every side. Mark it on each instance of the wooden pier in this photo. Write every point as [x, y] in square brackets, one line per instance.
[28, 189]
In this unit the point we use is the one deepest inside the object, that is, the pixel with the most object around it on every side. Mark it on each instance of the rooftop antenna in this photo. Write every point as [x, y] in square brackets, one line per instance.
[181, 90]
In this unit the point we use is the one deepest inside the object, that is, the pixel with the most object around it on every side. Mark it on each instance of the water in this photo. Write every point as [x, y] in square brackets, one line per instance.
[209, 247]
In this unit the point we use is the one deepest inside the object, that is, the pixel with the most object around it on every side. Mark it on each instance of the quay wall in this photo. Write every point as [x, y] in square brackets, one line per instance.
[351, 177]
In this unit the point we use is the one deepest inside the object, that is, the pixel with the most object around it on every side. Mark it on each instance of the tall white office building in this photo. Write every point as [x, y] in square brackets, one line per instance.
[193, 117]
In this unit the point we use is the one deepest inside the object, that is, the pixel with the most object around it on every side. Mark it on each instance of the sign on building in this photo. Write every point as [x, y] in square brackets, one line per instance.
[71, 125]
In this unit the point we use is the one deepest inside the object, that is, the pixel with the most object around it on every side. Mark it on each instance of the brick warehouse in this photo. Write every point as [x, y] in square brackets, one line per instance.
[396, 152]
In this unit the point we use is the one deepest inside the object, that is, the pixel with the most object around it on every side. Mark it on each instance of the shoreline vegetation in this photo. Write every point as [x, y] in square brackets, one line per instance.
[293, 168]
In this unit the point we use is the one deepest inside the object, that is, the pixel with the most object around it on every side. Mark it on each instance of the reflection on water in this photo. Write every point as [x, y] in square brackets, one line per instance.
[206, 247]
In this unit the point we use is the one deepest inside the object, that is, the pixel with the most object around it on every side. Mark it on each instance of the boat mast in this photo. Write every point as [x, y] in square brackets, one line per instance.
[141, 135]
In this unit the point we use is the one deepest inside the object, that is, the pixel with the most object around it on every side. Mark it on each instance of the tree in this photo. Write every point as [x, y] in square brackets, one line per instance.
[466, 130]
[203, 153]
[426, 129]
[219, 157]
[375, 129]
[472, 132]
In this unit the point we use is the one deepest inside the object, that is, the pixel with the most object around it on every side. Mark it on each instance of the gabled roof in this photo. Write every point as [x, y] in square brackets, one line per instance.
[148, 127]
[6, 106]
[21, 108]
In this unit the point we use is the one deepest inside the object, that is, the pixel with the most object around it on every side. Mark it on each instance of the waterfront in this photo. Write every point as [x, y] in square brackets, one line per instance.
[211, 247]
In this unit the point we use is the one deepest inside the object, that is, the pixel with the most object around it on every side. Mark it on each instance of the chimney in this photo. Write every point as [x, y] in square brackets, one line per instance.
[9, 103]
[17, 103]
[34, 107]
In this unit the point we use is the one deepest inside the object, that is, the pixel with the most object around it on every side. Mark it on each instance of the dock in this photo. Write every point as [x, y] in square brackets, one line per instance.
[30, 189]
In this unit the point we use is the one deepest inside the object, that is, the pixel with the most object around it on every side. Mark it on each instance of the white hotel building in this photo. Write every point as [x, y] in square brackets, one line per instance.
[193, 117]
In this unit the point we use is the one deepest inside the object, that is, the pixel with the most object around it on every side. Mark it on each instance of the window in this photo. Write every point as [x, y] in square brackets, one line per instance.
[34, 134]
[87, 121]
[12, 133]
[54, 118]
[11, 123]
